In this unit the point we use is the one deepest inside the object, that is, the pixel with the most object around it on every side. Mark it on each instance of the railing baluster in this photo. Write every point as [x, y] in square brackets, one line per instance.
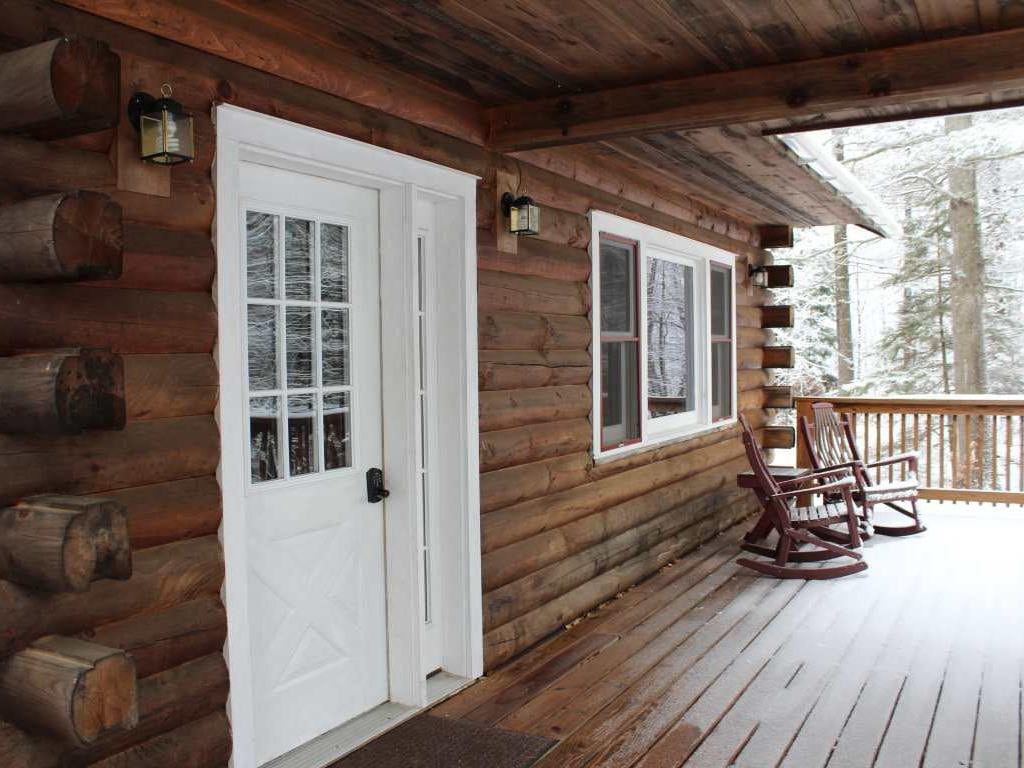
[1008, 426]
[928, 449]
[995, 453]
[954, 440]
[969, 451]
[878, 445]
[890, 453]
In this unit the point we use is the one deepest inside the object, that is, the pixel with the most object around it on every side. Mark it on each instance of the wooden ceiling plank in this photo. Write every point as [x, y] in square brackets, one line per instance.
[775, 24]
[1000, 14]
[832, 24]
[389, 40]
[948, 18]
[889, 22]
[719, 31]
[902, 75]
[426, 18]
[215, 29]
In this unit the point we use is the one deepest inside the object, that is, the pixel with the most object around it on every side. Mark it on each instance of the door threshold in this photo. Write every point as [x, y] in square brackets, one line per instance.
[348, 737]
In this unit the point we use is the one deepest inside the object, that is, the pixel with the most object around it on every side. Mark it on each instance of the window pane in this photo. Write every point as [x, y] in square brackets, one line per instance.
[721, 380]
[298, 324]
[298, 259]
[334, 350]
[721, 301]
[617, 288]
[620, 417]
[337, 430]
[333, 262]
[260, 263]
[670, 348]
[262, 342]
[263, 442]
[302, 458]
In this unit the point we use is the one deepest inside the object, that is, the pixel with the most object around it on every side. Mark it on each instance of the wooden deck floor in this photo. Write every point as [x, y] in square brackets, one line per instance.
[916, 662]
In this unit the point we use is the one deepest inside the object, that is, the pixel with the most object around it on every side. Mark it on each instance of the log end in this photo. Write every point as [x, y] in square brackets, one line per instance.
[85, 76]
[88, 237]
[106, 698]
[90, 391]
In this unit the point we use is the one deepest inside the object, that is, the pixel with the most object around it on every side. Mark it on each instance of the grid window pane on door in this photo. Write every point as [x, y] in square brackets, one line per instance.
[298, 346]
[721, 342]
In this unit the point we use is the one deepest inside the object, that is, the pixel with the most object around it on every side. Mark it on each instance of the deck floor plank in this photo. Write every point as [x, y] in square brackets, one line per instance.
[917, 662]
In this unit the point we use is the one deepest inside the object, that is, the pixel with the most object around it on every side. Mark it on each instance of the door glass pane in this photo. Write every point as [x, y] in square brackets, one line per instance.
[334, 346]
[670, 349]
[333, 262]
[298, 324]
[263, 438]
[261, 267]
[262, 343]
[337, 430]
[302, 452]
[620, 421]
[617, 287]
[298, 259]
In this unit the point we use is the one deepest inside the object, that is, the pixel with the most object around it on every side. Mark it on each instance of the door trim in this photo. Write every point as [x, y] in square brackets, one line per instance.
[246, 136]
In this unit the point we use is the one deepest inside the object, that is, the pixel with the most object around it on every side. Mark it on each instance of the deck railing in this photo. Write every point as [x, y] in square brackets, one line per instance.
[971, 448]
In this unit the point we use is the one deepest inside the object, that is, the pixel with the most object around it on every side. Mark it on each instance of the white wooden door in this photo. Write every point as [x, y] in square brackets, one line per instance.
[312, 394]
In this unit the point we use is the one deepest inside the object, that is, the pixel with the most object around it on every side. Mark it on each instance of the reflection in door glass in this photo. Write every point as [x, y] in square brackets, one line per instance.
[261, 262]
[263, 438]
[302, 458]
[334, 349]
[298, 325]
[337, 430]
[262, 333]
[333, 262]
[298, 259]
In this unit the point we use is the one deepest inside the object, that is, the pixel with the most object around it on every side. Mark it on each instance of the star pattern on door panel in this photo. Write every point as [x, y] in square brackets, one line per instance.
[312, 630]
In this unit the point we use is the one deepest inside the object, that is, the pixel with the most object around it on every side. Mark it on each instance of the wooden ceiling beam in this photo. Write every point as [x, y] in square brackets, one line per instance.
[901, 75]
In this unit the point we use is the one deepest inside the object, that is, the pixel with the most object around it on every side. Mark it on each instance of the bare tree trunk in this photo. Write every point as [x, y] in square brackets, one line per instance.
[844, 322]
[967, 296]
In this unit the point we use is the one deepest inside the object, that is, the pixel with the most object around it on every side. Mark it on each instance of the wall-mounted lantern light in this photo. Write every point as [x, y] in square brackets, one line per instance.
[772, 276]
[523, 214]
[164, 127]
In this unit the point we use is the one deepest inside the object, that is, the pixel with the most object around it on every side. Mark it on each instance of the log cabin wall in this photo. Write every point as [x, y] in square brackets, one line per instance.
[560, 535]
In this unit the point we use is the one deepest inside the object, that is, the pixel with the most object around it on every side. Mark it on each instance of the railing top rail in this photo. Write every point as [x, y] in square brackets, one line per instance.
[928, 402]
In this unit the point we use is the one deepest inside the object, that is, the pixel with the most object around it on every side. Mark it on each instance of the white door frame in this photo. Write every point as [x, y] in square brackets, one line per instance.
[246, 136]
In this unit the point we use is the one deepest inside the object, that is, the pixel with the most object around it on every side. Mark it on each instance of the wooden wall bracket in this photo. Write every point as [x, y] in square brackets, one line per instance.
[63, 87]
[62, 237]
[62, 543]
[779, 437]
[61, 392]
[70, 689]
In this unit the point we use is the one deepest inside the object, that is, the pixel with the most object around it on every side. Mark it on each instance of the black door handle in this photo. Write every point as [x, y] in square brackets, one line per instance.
[375, 490]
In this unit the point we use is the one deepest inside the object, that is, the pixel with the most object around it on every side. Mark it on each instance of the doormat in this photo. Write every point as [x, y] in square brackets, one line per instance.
[427, 741]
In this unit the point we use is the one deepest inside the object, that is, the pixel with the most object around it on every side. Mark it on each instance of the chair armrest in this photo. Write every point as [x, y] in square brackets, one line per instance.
[826, 473]
[910, 458]
[843, 484]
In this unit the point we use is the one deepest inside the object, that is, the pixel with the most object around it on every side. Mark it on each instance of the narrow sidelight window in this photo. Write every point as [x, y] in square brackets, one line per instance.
[620, 344]
[721, 343]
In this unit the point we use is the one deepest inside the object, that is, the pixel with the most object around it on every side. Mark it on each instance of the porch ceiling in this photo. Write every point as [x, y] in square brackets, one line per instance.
[447, 63]
[501, 53]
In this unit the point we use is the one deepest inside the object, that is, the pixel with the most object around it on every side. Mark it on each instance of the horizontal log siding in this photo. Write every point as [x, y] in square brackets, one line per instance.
[561, 534]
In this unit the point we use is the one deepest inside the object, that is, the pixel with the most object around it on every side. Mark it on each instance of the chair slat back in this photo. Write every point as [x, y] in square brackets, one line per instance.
[755, 456]
[830, 444]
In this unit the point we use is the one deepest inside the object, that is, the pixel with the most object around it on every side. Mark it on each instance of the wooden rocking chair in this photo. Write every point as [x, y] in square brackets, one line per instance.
[800, 525]
[831, 448]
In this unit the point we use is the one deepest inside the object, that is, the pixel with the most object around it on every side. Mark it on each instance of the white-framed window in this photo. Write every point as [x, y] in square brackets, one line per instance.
[664, 346]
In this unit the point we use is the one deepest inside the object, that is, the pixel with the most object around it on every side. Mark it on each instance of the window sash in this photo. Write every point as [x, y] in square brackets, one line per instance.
[651, 243]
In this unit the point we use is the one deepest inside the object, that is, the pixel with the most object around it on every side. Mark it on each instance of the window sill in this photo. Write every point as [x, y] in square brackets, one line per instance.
[660, 441]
